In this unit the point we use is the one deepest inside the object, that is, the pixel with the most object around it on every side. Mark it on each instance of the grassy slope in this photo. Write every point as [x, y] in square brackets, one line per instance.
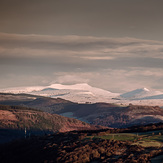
[145, 139]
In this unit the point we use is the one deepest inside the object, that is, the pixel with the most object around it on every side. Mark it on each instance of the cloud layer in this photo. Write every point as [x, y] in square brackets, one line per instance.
[116, 64]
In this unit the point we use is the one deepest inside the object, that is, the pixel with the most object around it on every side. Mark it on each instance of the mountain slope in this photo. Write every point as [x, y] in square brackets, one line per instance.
[14, 119]
[152, 97]
[140, 93]
[115, 116]
[46, 104]
[17, 117]
[141, 96]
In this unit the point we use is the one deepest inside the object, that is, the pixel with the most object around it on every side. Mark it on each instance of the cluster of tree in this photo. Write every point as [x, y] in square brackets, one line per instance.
[149, 127]
[16, 108]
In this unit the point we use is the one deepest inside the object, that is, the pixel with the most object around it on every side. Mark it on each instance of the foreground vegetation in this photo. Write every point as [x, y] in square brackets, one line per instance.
[88, 146]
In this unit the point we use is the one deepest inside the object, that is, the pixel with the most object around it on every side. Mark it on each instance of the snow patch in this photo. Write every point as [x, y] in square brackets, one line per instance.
[145, 89]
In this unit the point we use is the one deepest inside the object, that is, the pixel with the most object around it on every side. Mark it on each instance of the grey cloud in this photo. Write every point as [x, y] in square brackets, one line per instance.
[73, 52]
[118, 62]
[111, 18]
[80, 46]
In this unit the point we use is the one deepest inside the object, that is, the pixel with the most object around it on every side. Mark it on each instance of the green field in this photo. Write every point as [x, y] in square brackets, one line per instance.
[119, 136]
[146, 139]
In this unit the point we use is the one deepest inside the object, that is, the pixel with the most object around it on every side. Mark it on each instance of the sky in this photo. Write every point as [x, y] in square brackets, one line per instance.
[115, 45]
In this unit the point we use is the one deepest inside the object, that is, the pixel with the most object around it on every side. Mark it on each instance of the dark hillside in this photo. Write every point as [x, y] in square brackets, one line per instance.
[17, 118]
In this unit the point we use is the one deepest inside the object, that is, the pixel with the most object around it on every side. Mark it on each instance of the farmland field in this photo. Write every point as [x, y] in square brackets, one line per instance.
[145, 139]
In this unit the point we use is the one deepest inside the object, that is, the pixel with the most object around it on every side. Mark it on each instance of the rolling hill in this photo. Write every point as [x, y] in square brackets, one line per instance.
[105, 114]
[14, 120]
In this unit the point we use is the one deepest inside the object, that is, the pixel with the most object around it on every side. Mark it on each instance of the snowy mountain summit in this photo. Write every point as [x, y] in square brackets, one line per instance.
[139, 94]
[77, 93]
[135, 93]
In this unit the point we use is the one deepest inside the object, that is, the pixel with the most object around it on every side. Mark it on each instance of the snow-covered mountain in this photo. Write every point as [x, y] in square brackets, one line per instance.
[76, 93]
[140, 94]
[83, 92]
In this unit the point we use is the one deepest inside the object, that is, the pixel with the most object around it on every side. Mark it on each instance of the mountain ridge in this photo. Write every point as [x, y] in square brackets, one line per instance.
[83, 93]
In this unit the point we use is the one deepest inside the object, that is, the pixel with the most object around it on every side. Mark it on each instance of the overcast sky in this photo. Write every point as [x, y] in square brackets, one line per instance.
[112, 44]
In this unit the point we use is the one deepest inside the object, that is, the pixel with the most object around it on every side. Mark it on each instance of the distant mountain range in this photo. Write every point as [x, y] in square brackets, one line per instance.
[84, 93]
